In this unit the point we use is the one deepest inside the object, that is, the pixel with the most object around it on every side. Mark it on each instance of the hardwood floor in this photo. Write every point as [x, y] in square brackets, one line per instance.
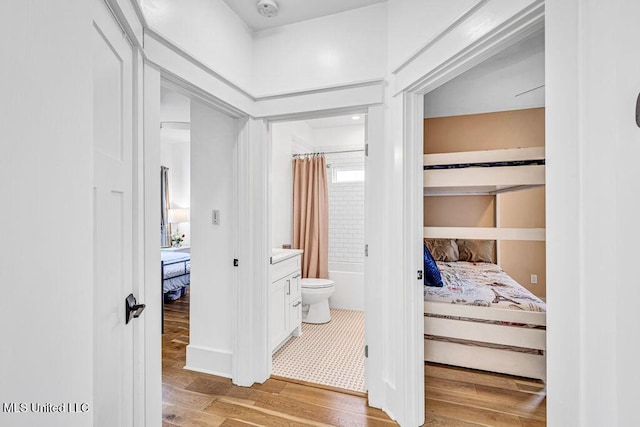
[455, 396]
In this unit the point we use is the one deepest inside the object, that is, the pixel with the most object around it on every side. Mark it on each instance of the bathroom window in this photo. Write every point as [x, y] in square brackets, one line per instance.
[341, 174]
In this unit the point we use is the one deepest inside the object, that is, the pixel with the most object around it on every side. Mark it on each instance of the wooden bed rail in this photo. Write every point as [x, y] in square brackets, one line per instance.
[485, 233]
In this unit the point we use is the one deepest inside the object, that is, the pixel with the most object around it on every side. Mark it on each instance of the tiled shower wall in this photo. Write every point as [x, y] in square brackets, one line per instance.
[346, 213]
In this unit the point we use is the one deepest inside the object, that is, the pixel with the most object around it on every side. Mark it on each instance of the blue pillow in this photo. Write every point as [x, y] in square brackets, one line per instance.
[432, 275]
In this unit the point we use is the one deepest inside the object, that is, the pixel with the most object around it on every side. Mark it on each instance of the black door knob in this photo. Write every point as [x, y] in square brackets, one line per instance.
[132, 308]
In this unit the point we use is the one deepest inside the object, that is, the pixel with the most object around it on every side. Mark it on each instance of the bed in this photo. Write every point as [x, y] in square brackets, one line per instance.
[176, 269]
[482, 318]
[175, 273]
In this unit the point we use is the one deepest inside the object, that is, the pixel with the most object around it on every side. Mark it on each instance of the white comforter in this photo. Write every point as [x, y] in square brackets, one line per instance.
[481, 284]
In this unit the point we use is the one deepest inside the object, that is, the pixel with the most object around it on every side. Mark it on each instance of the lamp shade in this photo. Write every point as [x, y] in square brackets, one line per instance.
[179, 215]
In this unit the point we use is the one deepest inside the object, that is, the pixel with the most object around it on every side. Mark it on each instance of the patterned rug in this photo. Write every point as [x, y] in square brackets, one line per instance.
[330, 354]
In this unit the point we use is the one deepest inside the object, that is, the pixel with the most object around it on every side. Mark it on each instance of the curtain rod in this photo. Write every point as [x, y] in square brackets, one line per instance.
[328, 152]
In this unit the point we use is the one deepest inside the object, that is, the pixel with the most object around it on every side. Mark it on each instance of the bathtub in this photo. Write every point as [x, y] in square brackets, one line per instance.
[349, 279]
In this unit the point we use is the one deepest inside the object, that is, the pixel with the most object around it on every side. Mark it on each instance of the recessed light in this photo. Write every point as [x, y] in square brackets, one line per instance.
[355, 118]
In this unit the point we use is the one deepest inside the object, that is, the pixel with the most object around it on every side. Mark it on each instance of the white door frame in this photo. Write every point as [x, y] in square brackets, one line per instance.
[410, 100]
[374, 137]
[139, 326]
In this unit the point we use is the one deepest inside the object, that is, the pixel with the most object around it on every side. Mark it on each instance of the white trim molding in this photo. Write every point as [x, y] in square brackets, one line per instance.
[457, 52]
[153, 295]
[183, 69]
[440, 34]
[412, 310]
[315, 102]
[251, 350]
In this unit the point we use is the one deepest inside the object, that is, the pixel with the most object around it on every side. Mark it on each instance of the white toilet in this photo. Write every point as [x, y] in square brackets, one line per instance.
[315, 297]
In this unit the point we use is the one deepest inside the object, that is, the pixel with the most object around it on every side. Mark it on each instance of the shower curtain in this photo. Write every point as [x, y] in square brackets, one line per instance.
[311, 215]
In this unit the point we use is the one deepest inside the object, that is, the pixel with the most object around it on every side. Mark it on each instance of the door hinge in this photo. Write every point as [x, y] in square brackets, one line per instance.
[366, 351]
[235, 262]
[419, 274]
[366, 150]
[366, 250]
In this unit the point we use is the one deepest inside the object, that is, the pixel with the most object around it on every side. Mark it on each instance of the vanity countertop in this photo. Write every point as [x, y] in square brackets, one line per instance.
[278, 255]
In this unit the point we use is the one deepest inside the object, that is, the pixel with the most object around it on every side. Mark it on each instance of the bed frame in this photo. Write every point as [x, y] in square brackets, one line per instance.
[458, 325]
[514, 169]
[463, 323]
[164, 264]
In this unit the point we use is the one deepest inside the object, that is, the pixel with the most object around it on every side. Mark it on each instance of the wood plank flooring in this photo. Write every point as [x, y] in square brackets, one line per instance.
[454, 396]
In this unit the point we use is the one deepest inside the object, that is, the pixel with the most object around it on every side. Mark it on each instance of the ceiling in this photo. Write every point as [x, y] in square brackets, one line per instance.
[291, 11]
[336, 121]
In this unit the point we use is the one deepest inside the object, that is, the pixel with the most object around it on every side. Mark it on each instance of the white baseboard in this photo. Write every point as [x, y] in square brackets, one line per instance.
[209, 361]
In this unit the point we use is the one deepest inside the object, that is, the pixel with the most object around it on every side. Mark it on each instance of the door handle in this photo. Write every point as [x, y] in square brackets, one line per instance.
[297, 304]
[132, 309]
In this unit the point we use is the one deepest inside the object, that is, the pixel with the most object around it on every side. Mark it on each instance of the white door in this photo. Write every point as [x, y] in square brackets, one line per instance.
[112, 220]
[374, 215]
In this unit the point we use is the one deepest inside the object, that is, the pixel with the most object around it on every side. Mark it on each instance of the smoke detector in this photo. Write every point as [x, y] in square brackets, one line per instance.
[268, 8]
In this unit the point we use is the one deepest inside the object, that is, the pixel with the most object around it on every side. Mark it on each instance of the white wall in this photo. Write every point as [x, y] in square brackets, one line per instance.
[174, 106]
[287, 138]
[493, 85]
[46, 193]
[592, 178]
[178, 160]
[412, 23]
[210, 31]
[213, 140]
[346, 200]
[175, 153]
[336, 49]
[346, 211]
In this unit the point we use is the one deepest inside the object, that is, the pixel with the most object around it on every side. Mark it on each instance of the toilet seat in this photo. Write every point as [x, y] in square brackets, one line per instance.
[316, 283]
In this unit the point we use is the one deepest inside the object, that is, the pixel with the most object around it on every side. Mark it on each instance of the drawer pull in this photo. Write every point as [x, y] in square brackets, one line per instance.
[297, 304]
[296, 276]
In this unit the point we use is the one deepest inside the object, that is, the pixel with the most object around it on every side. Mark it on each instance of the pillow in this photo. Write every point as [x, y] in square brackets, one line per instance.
[443, 249]
[432, 275]
[476, 250]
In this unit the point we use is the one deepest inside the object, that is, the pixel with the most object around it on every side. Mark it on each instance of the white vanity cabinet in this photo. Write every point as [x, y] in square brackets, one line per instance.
[285, 298]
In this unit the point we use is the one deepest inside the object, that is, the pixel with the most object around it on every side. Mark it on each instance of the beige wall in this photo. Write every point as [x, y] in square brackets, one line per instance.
[524, 208]
[460, 211]
[488, 131]
[521, 259]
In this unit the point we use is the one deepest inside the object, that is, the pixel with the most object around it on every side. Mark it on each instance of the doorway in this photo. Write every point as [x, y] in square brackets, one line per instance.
[497, 202]
[175, 212]
[197, 232]
[320, 339]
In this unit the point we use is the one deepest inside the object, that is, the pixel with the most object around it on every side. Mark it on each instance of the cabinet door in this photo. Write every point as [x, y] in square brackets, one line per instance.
[296, 291]
[295, 314]
[278, 312]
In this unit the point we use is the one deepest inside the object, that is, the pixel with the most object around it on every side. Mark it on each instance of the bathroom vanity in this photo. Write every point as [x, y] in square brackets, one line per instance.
[285, 297]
